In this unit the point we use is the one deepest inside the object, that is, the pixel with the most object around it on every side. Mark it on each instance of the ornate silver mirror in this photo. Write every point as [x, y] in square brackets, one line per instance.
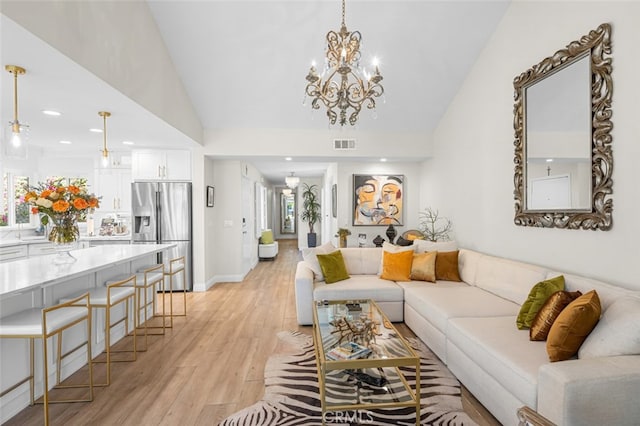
[562, 121]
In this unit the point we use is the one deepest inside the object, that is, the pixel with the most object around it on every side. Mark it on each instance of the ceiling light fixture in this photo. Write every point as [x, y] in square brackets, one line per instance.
[51, 112]
[127, 143]
[105, 151]
[288, 158]
[292, 181]
[287, 191]
[96, 130]
[347, 85]
[65, 142]
[18, 130]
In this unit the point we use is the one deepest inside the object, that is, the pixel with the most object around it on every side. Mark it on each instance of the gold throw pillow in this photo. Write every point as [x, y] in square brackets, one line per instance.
[572, 326]
[423, 267]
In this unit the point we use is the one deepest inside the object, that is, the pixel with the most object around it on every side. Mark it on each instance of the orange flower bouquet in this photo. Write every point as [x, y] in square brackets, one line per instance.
[60, 204]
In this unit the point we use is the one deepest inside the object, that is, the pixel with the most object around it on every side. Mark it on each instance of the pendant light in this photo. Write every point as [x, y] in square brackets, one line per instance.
[105, 151]
[18, 130]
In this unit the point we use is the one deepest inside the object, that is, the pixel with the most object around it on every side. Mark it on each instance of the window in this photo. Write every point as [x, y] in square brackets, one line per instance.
[13, 210]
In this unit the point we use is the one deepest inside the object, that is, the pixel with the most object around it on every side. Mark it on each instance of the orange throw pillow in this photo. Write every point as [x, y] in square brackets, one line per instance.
[396, 266]
[572, 326]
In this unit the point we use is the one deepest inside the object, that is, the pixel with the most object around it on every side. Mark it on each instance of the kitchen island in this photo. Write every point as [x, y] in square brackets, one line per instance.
[37, 282]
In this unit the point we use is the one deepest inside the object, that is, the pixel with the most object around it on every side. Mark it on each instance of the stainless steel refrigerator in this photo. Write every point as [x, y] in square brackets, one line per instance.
[161, 213]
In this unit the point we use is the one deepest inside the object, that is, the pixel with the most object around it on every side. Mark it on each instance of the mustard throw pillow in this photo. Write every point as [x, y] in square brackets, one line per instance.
[572, 326]
[548, 313]
[333, 267]
[423, 267]
[447, 266]
[537, 296]
[396, 266]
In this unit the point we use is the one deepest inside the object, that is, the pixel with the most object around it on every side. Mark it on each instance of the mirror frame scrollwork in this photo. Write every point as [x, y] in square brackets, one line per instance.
[598, 44]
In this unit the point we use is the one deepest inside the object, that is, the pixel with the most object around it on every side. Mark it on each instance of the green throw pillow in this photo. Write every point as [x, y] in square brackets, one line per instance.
[537, 296]
[267, 237]
[333, 267]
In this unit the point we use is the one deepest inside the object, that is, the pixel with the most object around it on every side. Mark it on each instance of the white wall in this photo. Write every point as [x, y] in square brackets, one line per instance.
[470, 178]
[411, 198]
[308, 144]
[120, 43]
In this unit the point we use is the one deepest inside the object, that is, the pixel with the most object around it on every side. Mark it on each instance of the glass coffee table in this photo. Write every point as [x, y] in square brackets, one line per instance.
[362, 360]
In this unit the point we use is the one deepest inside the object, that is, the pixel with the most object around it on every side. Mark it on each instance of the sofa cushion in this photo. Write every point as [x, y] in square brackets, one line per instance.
[362, 261]
[422, 246]
[548, 313]
[447, 266]
[396, 266]
[617, 332]
[309, 255]
[333, 267]
[359, 287]
[438, 303]
[537, 297]
[509, 279]
[572, 326]
[423, 267]
[468, 265]
[501, 350]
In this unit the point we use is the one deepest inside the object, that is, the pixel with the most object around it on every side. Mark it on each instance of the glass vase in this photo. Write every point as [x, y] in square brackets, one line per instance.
[64, 235]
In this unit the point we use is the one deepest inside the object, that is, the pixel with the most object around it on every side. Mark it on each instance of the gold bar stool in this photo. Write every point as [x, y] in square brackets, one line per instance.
[152, 279]
[107, 297]
[42, 323]
[176, 266]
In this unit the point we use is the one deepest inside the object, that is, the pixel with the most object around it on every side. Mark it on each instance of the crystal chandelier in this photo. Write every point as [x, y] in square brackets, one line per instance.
[292, 181]
[343, 85]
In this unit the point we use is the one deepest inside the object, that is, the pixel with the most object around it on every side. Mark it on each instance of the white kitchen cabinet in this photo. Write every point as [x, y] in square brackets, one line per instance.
[161, 165]
[10, 253]
[114, 186]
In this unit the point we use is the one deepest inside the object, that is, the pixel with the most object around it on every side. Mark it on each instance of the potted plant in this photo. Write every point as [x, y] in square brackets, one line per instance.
[310, 211]
[433, 226]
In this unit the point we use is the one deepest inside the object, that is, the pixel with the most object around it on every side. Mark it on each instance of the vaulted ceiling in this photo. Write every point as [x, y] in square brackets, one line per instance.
[243, 65]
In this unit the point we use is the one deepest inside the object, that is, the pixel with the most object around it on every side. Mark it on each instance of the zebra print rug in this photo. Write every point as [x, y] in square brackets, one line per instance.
[292, 397]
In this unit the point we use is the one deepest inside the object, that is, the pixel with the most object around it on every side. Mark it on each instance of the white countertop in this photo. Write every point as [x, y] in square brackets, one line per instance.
[35, 239]
[26, 274]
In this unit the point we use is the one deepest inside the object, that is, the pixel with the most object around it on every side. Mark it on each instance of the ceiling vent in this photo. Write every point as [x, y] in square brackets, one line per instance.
[344, 144]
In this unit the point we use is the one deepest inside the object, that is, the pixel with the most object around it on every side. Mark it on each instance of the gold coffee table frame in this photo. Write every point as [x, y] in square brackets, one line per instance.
[324, 340]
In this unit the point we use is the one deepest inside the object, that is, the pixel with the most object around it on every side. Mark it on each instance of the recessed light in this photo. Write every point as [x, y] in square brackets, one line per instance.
[549, 160]
[127, 143]
[96, 130]
[51, 112]
[65, 142]
[383, 159]
[288, 158]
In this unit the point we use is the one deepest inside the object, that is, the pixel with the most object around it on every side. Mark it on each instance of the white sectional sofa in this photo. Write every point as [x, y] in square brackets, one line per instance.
[471, 327]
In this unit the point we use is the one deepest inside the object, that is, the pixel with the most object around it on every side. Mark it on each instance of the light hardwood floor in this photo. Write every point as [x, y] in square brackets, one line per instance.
[207, 367]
